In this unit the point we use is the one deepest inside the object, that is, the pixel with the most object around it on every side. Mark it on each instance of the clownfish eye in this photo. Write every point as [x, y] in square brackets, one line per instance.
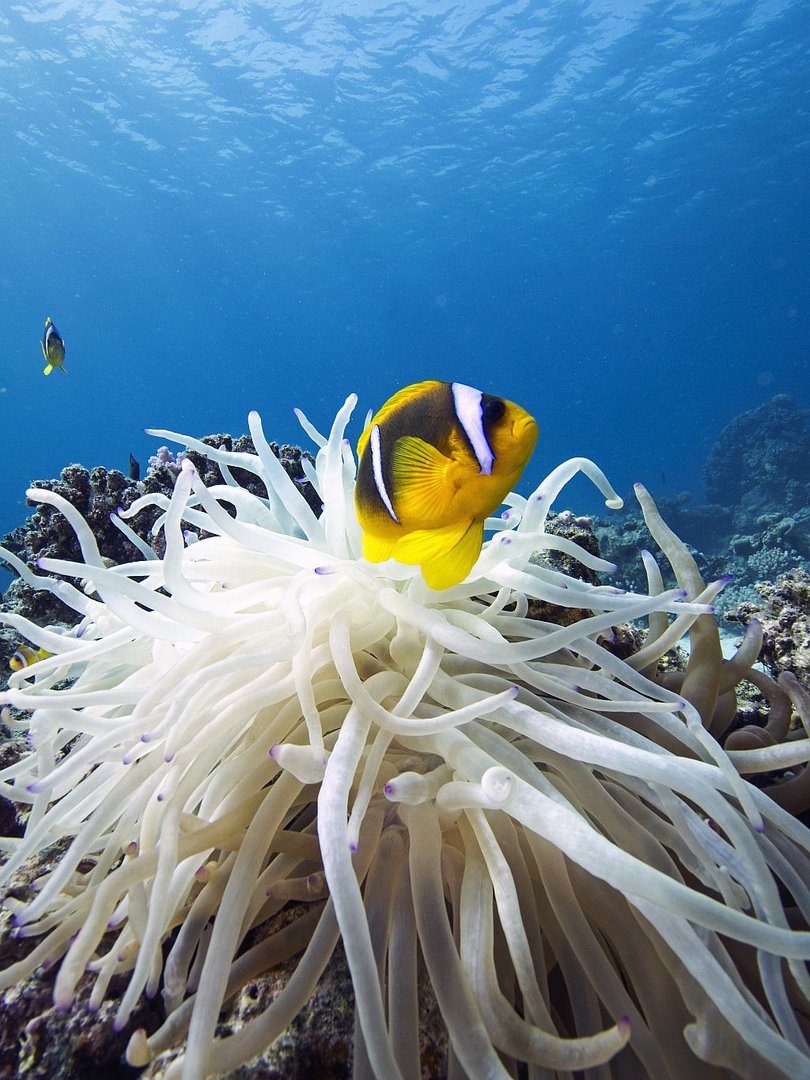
[493, 409]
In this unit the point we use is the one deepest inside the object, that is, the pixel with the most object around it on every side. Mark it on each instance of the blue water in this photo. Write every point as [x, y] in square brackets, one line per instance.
[598, 209]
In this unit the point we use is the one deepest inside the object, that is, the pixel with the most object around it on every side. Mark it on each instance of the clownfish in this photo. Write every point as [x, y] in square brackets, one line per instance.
[434, 462]
[25, 656]
[53, 348]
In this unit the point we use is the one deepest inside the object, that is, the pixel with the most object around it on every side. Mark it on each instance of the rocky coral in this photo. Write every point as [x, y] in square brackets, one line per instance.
[98, 494]
[755, 524]
[39, 1041]
[760, 463]
[784, 612]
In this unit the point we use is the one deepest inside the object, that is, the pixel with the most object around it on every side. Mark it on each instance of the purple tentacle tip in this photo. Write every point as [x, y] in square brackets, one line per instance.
[33, 789]
[168, 758]
[514, 691]
[711, 609]
[272, 751]
[323, 570]
[726, 579]
[126, 759]
[389, 789]
[160, 796]
[118, 1025]
[146, 737]
[352, 847]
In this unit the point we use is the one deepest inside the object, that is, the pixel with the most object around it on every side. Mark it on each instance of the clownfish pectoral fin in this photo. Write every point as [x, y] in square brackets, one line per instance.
[48, 369]
[446, 555]
[376, 548]
[422, 491]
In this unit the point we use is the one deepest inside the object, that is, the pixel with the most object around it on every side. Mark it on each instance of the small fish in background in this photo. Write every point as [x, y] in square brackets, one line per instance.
[134, 468]
[435, 461]
[25, 656]
[53, 348]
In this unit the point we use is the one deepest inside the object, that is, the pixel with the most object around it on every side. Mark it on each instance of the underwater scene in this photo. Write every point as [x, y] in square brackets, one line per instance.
[405, 539]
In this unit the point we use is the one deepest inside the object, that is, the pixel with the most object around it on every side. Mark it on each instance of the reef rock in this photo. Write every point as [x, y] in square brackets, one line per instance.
[98, 494]
[755, 524]
[760, 464]
[784, 612]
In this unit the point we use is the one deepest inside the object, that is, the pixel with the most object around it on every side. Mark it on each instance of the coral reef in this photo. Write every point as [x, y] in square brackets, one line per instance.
[760, 463]
[784, 614]
[98, 495]
[756, 522]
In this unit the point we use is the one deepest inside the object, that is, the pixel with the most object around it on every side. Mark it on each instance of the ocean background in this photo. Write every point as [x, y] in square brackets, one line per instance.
[598, 209]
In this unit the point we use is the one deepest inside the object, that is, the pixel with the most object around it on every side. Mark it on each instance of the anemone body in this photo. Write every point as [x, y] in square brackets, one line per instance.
[261, 716]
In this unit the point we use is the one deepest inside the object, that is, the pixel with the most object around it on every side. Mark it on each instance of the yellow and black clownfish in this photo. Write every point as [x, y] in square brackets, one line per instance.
[53, 348]
[25, 656]
[435, 461]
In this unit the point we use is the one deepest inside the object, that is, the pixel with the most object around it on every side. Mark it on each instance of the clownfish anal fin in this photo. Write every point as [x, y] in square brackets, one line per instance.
[455, 565]
[420, 482]
[376, 548]
[446, 555]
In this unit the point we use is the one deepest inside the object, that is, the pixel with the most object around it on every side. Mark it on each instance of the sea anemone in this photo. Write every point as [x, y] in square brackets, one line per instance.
[436, 778]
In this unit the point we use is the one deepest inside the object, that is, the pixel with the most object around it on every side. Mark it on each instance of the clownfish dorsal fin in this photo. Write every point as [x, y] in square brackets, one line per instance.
[423, 491]
[398, 401]
[446, 555]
